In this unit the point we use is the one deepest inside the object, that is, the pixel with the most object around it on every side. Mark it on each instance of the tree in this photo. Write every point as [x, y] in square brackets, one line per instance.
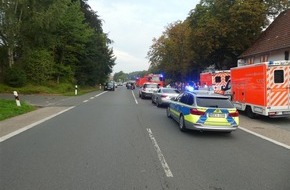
[120, 76]
[222, 30]
[171, 53]
[61, 39]
[98, 59]
[11, 13]
[72, 35]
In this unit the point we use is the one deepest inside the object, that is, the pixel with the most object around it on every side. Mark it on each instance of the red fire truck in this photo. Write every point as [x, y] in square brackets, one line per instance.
[154, 78]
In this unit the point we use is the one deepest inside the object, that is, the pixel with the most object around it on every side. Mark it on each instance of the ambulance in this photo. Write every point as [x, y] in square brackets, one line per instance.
[261, 89]
[214, 80]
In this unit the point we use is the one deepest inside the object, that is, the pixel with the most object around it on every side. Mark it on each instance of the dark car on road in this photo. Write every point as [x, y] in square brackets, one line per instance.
[109, 86]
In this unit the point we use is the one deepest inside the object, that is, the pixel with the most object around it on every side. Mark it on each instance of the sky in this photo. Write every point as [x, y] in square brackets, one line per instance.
[132, 25]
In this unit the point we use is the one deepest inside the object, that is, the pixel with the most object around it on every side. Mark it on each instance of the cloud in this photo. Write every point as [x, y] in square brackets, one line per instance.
[130, 62]
[133, 24]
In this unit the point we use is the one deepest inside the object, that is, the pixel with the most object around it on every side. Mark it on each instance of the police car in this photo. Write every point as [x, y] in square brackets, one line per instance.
[203, 111]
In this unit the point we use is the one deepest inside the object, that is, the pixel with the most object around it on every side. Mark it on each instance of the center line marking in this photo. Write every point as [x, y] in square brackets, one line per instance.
[160, 155]
[134, 97]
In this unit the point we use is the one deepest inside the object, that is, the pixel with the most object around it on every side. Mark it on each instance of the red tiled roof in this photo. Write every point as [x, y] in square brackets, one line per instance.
[275, 37]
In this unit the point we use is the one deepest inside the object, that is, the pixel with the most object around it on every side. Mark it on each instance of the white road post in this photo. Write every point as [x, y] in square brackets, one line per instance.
[17, 98]
[100, 86]
[76, 89]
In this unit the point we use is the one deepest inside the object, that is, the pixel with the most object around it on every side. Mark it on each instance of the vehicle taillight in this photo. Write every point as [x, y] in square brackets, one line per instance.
[234, 114]
[163, 96]
[194, 111]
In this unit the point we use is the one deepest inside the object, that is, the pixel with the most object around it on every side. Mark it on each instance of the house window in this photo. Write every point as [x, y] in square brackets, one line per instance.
[264, 58]
[250, 61]
[286, 55]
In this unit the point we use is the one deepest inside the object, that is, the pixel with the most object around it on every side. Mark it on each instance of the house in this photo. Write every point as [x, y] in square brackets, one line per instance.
[272, 45]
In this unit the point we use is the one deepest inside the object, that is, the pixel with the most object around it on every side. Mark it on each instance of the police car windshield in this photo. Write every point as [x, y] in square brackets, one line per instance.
[213, 102]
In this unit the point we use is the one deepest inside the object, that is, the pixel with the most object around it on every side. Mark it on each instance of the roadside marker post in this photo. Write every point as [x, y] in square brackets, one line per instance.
[76, 89]
[16, 98]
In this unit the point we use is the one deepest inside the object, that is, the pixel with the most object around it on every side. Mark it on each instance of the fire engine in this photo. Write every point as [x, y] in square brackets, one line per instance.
[154, 78]
[261, 89]
[215, 79]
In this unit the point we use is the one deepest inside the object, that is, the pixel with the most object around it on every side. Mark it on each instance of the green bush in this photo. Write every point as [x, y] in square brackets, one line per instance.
[39, 66]
[15, 77]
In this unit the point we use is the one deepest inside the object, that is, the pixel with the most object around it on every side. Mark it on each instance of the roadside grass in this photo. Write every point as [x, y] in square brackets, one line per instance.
[8, 109]
[65, 89]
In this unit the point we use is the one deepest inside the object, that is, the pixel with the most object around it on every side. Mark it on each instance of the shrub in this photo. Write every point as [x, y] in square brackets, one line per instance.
[15, 77]
[39, 66]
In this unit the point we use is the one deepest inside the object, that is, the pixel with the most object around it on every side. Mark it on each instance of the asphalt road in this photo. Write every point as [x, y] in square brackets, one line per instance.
[115, 142]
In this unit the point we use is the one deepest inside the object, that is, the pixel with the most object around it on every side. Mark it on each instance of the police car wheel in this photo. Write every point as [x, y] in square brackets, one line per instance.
[181, 123]
[168, 112]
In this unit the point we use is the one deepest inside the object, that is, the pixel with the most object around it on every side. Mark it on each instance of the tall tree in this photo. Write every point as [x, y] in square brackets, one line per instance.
[221, 29]
[171, 53]
[11, 13]
[97, 62]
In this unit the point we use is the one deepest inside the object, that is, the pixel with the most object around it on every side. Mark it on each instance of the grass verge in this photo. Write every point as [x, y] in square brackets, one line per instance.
[51, 88]
[8, 109]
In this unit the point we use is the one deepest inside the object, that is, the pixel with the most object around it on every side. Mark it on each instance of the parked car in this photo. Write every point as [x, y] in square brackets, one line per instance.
[203, 111]
[147, 89]
[162, 96]
[115, 84]
[130, 85]
[109, 86]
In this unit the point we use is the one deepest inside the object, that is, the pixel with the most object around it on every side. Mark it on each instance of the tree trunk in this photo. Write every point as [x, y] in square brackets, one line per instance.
[10, 57]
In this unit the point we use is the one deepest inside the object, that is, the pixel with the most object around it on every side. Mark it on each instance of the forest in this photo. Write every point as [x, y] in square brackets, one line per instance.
[51, 42]
[46, 42]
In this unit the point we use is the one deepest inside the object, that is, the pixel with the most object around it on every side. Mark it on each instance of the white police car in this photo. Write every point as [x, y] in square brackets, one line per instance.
[203, 111]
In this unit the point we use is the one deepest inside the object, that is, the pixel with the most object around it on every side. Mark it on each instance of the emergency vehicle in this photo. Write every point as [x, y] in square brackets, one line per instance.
[154, 78]
[215, 79]
[203, 111]
[262, 88]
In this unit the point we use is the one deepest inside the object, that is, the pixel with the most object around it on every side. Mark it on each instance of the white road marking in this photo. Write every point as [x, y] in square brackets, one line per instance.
[40, 121]
[160, 155]
[134, 97]
[101, 93]
[265, 138]
[31, 125]
[92, 98]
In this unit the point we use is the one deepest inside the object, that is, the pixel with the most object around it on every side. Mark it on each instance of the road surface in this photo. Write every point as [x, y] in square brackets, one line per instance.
[117, 141]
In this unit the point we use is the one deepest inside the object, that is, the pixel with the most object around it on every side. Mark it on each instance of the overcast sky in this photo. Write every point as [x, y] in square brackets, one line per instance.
[132, 24]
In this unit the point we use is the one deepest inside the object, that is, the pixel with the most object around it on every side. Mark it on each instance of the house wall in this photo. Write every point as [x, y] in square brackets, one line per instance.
[269, 56]
[278, 55]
